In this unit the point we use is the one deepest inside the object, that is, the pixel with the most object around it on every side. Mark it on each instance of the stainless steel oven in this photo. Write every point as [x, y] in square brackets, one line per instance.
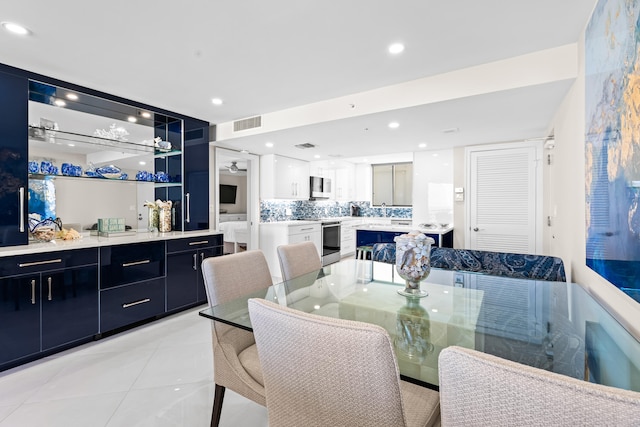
[330, 242]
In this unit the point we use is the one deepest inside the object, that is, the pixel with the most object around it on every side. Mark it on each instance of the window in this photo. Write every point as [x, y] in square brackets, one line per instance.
[392, 184]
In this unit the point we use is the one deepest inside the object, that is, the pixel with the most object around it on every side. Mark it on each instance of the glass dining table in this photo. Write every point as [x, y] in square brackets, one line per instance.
[555, 326]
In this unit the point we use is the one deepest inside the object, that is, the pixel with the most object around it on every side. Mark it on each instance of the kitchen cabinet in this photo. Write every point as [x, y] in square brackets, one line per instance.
[345, 182]
[13, 160]
[283, 178]
[348, 236]
[275, 234]
[47, 301]
[132, 284]
[185, 284]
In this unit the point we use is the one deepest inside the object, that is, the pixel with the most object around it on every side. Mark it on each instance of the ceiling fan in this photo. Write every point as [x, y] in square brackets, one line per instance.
[234, 168]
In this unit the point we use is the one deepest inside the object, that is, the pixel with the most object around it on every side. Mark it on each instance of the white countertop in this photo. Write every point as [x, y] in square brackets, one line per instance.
[88, 241]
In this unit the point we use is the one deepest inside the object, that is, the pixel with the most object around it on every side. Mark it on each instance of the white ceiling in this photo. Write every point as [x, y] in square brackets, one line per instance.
[264, 56]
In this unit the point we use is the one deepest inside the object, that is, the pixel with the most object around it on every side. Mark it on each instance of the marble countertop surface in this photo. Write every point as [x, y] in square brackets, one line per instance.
[89, 241]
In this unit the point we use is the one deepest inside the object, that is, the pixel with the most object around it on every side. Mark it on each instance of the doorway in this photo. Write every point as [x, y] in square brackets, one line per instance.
[504, 207]
[237, 214]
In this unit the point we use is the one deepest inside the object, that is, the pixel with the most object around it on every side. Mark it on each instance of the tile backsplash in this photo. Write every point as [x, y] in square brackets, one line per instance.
[284, 210]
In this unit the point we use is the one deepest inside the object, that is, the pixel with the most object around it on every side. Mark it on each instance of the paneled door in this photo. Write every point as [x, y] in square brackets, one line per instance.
[504, 207]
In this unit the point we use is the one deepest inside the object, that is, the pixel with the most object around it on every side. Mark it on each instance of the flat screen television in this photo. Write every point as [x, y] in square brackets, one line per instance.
[228, 193]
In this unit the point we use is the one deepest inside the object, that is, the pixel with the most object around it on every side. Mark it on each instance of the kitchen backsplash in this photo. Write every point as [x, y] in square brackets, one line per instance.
[284, 210]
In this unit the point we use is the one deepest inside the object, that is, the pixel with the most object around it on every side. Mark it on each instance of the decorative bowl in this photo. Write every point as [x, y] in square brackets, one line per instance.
[110, 172]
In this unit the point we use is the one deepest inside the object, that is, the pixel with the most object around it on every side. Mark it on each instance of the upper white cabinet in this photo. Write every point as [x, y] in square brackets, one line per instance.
[283, 178]
[342, 176]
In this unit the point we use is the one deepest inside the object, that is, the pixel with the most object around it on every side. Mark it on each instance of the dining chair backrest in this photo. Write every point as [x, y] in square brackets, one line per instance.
[384, 252]
[321, 371]
[235, 357]
[297, 259]
[523, 266]
[478, 389]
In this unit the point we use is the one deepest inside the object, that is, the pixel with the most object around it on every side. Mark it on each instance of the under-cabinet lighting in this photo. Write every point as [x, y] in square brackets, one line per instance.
[72, 96]
[59, 102]
[71, 144]
[142, 163]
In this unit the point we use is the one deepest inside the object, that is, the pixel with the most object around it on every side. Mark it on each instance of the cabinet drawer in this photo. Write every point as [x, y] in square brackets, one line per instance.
[125, 264]
[304, 229]
[191, 243]
[129, 304]
[21, 264]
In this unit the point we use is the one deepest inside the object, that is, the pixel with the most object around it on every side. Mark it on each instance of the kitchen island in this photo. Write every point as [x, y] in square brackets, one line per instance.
[368, 234]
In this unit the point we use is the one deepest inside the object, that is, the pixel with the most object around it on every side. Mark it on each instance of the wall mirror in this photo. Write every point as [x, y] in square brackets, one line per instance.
[392, 184]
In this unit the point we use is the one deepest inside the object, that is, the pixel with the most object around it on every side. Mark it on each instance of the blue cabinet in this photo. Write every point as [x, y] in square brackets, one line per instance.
[196, 175]
[47, 301]
[132, 284]
[13, 159]
[369, 237]
[185, 285]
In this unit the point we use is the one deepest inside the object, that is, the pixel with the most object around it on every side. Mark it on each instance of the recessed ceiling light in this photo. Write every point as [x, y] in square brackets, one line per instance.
[396, 48]
[72, 96]
[244, 151]
[216, 101]
[316, 156]
[71, 145]
[435, 154]
[422, 145]
[15, 28]
[132, 119]
[59, 102]
[394, 125]
[146, 114]
[269, 144]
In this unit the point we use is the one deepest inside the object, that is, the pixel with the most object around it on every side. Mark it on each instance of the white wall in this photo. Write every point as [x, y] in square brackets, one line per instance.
[241, 196]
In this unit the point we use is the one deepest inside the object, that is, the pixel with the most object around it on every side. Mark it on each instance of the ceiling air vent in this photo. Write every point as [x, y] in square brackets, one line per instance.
[305, 145]
[250, 123]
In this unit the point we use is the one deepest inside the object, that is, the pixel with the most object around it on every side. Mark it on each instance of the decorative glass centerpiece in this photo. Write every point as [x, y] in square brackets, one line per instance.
[413, 261]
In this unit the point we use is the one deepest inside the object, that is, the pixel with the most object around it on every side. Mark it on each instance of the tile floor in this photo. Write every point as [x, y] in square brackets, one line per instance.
[159, 374]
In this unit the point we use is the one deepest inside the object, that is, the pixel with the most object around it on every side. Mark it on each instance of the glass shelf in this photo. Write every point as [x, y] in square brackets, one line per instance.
[161, 153]
[38, 133]
[95, 178]
[166, 184]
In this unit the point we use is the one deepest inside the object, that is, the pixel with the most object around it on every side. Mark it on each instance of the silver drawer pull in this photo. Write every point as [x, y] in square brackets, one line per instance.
[130, 264]
[202, 242]
[131, 304]
[305, 229]
[31, 264]
[33, 291]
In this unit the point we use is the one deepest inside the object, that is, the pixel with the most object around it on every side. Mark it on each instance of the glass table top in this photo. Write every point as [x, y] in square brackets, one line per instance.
[555, 326]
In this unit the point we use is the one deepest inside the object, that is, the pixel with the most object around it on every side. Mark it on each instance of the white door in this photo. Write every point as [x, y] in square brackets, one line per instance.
[504, 204]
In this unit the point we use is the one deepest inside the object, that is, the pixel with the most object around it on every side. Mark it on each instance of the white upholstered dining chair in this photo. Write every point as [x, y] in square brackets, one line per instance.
[478, 389]
[321, 371]
[297, 259]
[235, 357]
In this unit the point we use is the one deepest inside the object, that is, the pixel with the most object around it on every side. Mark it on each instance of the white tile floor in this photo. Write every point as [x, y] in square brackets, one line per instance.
[159, 374]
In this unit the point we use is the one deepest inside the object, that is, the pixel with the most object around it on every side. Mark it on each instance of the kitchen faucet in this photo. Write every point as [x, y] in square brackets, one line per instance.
[384, 209]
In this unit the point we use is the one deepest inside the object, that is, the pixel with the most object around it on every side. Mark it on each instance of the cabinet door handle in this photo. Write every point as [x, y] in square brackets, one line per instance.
[21, 210]
[201, 257]
[195, 260]
[131, 304]
[33, 291]
[31, 264]
[130, 264]
[49, 297]
[306, 229]
[188, 197]
[201, 242]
